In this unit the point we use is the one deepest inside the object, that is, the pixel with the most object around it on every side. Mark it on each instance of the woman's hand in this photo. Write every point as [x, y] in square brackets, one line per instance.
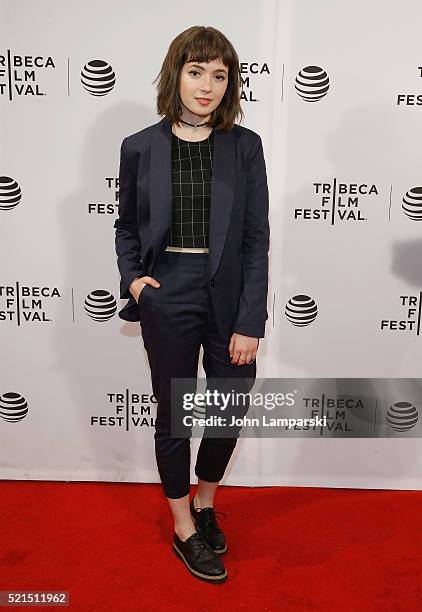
[137, 285]
[242, 349]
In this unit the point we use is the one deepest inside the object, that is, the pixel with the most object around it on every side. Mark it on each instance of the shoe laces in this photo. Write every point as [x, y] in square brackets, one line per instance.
[208, 516]
[198, 543]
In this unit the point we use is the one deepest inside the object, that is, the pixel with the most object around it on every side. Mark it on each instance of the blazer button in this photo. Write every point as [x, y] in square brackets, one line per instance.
[212, 283]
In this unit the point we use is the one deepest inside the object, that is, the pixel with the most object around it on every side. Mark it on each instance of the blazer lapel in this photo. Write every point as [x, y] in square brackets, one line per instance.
[222, 191]
[160, 186]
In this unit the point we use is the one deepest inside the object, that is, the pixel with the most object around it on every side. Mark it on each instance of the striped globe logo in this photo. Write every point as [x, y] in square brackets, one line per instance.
[412, 204]
[301, 310]
[98, 77]
[13, 407]
[312, 83]
[10, 193]
[100, 305]
[402, 416]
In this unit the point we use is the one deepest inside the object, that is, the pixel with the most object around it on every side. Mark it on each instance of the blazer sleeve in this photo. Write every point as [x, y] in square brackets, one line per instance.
[127, 239]
[252, 311]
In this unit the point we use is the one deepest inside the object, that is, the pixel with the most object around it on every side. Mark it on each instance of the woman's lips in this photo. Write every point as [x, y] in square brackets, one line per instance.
[203, 101]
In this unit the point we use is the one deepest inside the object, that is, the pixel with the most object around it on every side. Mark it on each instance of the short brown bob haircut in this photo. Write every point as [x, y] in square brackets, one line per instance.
[200, 44]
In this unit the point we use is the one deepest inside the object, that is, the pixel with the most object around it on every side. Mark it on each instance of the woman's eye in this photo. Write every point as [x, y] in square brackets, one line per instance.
[219, 76]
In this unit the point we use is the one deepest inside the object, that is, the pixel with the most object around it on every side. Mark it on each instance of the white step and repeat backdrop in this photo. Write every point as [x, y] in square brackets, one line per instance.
[335, 90]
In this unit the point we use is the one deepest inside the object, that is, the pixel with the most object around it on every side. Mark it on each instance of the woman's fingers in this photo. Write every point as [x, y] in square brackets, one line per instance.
[150, 280]
[231, 345]
[242, 356]
[154, 282]
[147, 280]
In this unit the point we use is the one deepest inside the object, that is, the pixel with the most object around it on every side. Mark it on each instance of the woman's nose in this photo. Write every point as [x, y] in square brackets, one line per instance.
[206, 84]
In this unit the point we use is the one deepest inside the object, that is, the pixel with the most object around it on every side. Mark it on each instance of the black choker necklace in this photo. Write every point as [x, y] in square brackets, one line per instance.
[192, 125]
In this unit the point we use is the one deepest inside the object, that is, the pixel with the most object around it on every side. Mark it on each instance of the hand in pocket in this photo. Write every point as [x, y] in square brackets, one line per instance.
[138, 285]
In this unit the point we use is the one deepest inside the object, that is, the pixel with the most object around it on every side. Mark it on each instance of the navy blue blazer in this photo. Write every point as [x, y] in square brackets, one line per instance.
[239, 233]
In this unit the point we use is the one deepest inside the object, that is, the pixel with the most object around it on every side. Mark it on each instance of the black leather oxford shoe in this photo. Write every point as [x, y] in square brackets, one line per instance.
[206, 523]
[199, 558]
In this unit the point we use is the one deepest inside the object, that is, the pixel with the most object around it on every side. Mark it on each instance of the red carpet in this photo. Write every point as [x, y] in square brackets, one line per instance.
[108, 544]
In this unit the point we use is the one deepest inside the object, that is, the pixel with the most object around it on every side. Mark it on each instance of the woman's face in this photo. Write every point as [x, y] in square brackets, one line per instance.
[207, 80]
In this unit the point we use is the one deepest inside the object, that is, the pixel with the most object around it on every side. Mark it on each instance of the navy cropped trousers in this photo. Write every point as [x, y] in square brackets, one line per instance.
[176, 319]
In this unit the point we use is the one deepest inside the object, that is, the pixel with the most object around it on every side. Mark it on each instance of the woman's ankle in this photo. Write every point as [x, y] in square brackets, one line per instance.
[185, 529]
[198, 503]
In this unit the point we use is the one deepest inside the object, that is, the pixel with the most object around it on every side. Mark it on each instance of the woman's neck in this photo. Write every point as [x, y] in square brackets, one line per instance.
[186, 132]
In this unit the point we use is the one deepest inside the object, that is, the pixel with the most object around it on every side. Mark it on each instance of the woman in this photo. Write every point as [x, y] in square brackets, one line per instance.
[192, 240]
